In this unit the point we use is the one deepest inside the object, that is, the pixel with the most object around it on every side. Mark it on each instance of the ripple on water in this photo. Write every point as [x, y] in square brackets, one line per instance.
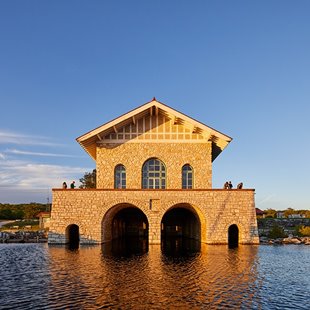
[35, 276]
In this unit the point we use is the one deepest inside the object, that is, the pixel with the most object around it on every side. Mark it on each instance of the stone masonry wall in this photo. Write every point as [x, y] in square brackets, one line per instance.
[93, 212]
[173, 155]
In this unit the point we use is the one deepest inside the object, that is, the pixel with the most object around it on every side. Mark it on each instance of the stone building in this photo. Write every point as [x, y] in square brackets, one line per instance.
[44, 219]
[154, 180]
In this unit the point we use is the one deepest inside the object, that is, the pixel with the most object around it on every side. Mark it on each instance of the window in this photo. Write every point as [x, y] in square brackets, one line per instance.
[120, 177]
[187, 177]
[154, 174]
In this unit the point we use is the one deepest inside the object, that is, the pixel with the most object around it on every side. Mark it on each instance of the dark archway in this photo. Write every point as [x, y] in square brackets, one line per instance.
[73, 236]
[129, 231]
[129, 222]
[123, 220]
[180, 230]
[233, 236]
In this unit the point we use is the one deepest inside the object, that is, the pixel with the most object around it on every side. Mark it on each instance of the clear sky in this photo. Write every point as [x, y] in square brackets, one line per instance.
[241, 67]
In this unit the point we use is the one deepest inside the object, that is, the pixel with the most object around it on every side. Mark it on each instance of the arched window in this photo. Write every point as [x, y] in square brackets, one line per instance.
[187, 176]
[120, 177]
[154, 174]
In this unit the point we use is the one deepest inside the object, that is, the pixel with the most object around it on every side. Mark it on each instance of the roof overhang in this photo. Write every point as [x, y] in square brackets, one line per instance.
[89, 140]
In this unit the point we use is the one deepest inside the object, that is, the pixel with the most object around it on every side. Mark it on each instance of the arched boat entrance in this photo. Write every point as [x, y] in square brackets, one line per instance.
[233, 236]
[73, 236]
[180, 229]
[129, 222]
[125, 230]
[124, 220]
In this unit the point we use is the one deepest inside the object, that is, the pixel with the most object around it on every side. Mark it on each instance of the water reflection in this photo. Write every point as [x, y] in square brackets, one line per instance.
[125, 247]
[178, 246]
[135, 275]
[131, 274]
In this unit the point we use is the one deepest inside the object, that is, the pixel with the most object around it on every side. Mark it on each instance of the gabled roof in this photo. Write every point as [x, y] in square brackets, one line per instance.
[89, 140]
[259, 211]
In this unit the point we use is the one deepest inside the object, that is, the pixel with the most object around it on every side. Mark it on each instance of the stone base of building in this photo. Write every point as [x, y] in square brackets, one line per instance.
[213, 215]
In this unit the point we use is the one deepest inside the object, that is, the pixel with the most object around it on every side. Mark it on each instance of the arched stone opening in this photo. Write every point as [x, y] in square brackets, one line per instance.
[181, 221]
[73, 235]
[124, 221]
[126, 226]
[233, 236]
[180, 230]
[129, 222]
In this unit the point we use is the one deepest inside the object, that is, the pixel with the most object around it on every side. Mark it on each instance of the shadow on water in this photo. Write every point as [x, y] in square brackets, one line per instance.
[180, 247]
[72, 246]
[125, 247]
[135, 246]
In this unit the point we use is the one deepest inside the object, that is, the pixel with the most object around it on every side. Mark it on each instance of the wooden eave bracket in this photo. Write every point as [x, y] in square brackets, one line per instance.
[156, 110]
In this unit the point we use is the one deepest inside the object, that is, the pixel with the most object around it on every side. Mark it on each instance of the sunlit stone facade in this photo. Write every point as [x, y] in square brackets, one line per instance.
[173, 155]
[154, 131]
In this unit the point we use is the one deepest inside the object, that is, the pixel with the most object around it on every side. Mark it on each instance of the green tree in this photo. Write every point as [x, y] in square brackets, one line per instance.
[89, 180]
[6, 214]
[277, 232]
[31, 210]
[306, 213]
[19, 214]
[21, 211]
[305, 231]
[270, 213]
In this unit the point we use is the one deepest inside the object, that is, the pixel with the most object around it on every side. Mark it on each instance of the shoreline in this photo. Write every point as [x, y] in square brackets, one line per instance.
[2, 223]
[263, 240]
[23, 241]
[284, 241]
[23, 236]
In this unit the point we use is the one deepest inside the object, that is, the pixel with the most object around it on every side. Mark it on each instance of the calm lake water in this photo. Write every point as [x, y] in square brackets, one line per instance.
[178, 276]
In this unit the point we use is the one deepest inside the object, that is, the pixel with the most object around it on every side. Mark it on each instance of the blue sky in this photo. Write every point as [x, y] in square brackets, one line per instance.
[241, 67]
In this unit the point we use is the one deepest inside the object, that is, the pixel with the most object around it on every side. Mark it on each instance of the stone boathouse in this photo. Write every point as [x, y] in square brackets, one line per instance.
[154, 180]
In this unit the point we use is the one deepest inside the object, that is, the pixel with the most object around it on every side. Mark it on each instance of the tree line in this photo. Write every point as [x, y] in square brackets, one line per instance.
[271, 213]
[21, 211]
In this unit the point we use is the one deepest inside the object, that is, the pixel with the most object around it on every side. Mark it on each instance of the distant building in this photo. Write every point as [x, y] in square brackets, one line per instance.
[259, 213]
[297, 216]
[44, 219]
[280, 215]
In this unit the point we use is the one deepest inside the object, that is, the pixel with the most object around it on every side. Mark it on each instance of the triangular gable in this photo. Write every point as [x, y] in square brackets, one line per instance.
[153, 122]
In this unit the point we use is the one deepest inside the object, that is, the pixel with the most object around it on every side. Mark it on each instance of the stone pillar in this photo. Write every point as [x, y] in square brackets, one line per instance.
[154, 222]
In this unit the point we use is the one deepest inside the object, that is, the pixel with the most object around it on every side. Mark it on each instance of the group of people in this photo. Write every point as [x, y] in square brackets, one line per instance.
[228, 185]
[72, 185]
